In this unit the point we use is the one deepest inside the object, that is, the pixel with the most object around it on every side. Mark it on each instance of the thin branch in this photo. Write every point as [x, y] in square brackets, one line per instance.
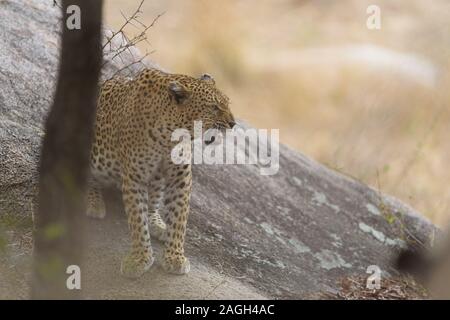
[126, 43]
[141, 60]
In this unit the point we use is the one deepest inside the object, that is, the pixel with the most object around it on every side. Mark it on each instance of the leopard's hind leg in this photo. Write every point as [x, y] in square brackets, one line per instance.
[95, 204]
[156, 223]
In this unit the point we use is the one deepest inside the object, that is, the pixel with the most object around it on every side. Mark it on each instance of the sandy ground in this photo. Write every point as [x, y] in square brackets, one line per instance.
[100, 278]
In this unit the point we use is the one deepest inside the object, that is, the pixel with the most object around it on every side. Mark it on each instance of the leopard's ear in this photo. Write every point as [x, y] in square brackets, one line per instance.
[208, 78]
[178, 92]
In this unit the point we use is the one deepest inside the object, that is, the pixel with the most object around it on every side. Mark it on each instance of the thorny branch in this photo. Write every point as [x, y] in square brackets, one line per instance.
[127, 43]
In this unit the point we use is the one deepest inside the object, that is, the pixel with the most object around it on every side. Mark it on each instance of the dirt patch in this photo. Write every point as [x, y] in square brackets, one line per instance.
[106, 243]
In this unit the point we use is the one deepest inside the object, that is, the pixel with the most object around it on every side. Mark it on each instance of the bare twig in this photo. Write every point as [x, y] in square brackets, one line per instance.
[141, 60]
[215, 288]
[126, 43]
[127, 21]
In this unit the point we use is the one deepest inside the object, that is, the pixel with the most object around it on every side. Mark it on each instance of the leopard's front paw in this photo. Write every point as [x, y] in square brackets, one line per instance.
[176, 264]
[134, 266]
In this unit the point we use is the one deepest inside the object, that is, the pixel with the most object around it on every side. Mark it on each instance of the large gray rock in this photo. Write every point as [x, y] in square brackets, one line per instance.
[249, 236]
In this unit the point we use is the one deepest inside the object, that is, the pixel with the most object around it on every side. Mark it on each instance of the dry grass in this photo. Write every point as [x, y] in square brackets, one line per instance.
[366, 120]
[355, 288]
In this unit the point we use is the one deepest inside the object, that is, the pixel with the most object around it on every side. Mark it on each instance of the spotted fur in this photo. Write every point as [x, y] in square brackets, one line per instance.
[132, 149]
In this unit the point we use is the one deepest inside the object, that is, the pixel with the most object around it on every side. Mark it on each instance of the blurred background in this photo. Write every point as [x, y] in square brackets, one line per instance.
[372, 104]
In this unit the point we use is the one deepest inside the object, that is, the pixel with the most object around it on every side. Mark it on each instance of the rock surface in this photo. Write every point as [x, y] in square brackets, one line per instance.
[249, 236]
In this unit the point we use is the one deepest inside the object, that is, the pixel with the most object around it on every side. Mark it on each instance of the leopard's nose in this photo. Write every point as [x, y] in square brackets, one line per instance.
[231, 124]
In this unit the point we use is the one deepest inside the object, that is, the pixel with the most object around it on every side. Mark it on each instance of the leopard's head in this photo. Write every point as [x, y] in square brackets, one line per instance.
[199, 99]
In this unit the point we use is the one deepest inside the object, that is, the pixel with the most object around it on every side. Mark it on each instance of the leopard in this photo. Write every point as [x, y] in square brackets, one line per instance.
[131, 150]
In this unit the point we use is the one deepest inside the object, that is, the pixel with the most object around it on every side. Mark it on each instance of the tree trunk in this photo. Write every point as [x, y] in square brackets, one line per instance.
[64, 159]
